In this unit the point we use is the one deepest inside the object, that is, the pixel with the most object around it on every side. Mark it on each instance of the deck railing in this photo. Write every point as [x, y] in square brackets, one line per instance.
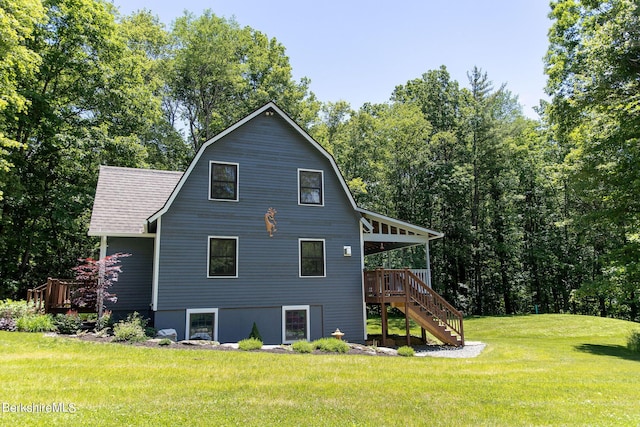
[382, 285]
[55, 294]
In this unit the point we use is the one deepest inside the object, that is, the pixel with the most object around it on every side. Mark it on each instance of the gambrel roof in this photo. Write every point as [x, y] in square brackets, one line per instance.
[269, 108]
[129, 200]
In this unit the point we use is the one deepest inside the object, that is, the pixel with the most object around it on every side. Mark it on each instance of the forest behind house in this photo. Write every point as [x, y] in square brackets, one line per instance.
[538, 215]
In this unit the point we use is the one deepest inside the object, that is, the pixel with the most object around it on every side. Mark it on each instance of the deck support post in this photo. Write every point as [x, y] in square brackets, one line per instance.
[385, 320]
[406, 306]
[424, 335]
[383, 305]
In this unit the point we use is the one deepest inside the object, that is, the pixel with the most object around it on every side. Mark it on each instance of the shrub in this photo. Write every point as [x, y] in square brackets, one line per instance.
[406, 351]
[35, 323]
[67, 323]
[7, 324]
[633, 342]
[255, 333]
[105, 321]
[331, 345]
[131, 330]
[302, 347]
[250, 344]
[16, 309]
[165, 341]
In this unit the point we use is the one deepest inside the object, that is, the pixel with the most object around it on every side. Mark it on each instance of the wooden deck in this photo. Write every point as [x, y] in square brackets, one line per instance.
[408, 292]
[57, 296]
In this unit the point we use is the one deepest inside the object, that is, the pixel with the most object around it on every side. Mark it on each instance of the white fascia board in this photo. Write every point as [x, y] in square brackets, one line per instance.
[116, 234]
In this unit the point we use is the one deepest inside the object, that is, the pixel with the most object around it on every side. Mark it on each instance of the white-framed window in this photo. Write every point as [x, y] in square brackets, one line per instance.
[295, 323]
[312, 259]
[222, 257]
[201, 324]
[223, 181]
[310, 187]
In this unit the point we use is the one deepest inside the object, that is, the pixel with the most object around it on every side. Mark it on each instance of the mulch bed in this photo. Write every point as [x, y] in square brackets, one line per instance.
[355, 349]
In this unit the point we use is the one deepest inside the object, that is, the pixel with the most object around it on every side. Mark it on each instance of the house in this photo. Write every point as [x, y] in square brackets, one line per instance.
[260, 228]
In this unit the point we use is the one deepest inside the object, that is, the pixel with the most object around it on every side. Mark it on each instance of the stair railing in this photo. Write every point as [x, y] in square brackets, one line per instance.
[434, 304]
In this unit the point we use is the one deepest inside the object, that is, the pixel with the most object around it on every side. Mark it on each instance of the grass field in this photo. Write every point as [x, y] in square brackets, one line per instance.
[536, 370]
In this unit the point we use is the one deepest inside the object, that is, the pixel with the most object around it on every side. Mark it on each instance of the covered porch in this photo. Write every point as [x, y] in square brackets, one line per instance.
[407, 289]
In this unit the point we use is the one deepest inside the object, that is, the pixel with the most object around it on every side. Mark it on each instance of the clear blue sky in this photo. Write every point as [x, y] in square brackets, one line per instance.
[358, 51]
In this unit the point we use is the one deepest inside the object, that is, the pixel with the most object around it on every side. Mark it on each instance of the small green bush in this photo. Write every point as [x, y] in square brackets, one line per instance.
[130, 330]
[10, 309]
[105, 321]
[331, 345]
[255, 333]
[406, 351]
[35, 323]
[302, 347]
[165, 341]
[633, 342]
[67, 323]
[250, 344]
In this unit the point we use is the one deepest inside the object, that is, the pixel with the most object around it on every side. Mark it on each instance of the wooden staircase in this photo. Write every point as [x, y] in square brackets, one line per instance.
[404, 290]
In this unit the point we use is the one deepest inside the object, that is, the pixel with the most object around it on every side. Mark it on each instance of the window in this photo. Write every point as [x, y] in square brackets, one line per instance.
[310, 184]
[202, 324]
[224, 181]
[295, 323]
[312, 258]
[223, 256]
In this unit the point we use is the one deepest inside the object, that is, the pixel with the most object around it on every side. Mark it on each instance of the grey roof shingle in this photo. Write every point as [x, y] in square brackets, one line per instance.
[126, 197]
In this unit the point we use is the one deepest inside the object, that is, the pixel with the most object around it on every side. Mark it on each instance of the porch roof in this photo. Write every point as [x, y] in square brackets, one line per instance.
[382, 233]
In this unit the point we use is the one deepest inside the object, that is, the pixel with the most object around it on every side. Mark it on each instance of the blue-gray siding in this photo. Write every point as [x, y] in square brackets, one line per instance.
[133, 287]
[269, 153]
[235, 324]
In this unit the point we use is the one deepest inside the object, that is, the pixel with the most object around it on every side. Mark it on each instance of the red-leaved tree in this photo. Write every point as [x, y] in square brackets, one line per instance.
[97, 275]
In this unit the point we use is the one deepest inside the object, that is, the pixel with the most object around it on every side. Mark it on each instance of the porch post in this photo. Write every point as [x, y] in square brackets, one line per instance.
[383, 305]
[406, 306]
[103, 255]
[428, 264]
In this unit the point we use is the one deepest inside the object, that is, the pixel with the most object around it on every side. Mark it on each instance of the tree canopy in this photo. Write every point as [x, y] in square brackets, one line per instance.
[538, 215]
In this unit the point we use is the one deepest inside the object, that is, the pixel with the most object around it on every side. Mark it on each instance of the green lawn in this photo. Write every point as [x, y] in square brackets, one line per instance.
[536, 370]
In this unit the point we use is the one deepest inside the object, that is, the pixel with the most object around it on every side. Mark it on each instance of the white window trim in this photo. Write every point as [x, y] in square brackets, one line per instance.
[324, 257]
[191, 311]
[322, 183]
[209, 256]
[237, 165]
[286, 308]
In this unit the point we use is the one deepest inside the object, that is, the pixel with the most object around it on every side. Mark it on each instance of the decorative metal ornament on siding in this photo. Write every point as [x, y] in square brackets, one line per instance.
[270, 221]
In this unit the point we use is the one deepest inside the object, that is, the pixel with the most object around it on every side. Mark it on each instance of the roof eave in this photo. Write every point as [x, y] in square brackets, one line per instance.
[432, 235]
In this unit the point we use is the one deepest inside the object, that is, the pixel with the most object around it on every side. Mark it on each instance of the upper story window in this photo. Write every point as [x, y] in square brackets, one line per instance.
[223, 183]
[310, 187]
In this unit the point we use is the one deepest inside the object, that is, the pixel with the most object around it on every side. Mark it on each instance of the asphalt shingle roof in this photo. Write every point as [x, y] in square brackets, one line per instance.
[126, 197]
